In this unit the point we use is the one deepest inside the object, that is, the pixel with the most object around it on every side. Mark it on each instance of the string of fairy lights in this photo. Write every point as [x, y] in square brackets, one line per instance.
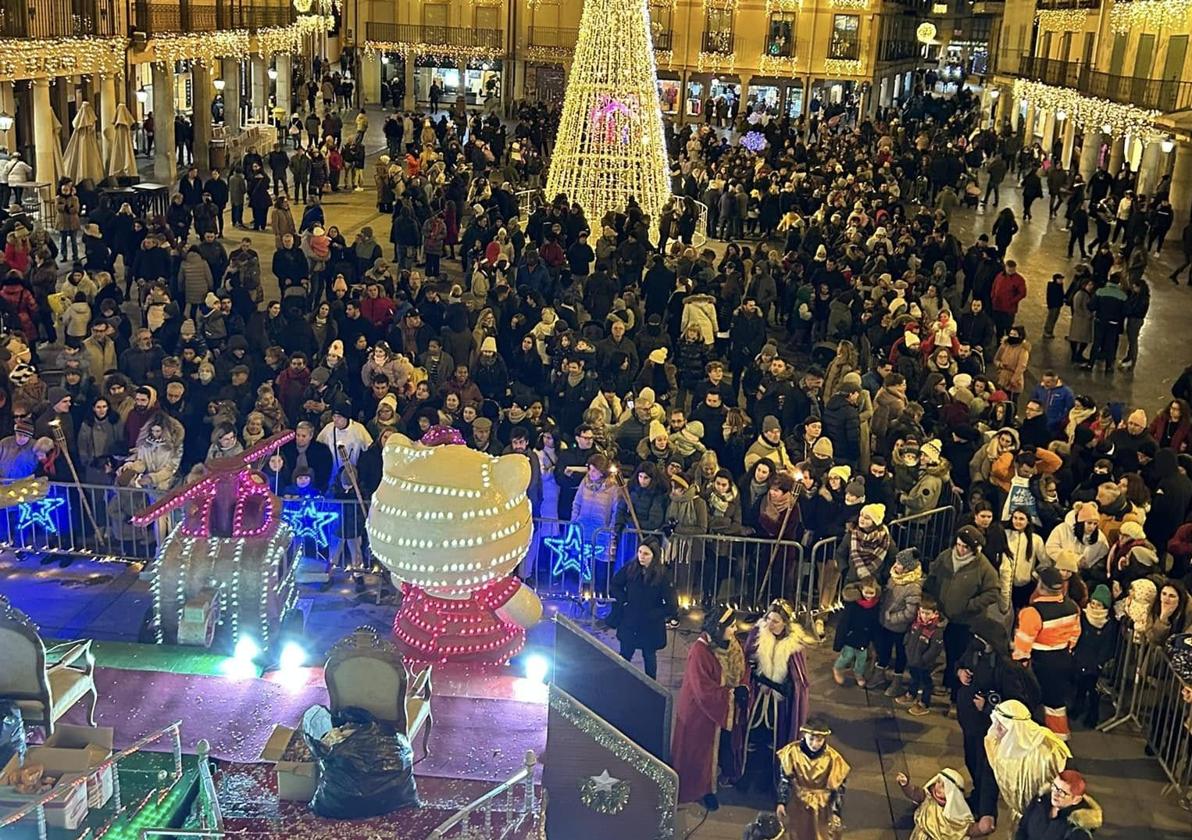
[1061, 20]
[1153, 14]
[207, 47]
[32, 58]
[1089, 112]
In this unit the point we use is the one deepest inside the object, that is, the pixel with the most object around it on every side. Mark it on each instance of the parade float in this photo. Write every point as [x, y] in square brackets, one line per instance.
[452, 524]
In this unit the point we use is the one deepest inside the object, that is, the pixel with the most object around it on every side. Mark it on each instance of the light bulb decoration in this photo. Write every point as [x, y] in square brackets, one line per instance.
[1088, 112]
[451, 524]
[230, 546]
[308, 521]
[610, 145]
[1150, 15]
[572, 553]
[40, 514]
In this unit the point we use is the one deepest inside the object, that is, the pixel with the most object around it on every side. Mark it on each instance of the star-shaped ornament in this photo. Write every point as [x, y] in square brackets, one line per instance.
[604, 782]
[40, 513]
[308, 522]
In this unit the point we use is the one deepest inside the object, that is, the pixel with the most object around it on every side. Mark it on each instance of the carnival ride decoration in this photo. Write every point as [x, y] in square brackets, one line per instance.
[451, 524]
[227, 561]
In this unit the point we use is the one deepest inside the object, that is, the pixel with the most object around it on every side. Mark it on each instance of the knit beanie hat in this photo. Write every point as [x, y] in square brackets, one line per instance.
[842, 472]
[855, 489]
[1145, 555]
[931, 452]
[657, 430]
[908, 558]
[1132, 530]
[822, 449]
[1050, 577]
[645, 397]
[1137, 416]
[1068, 561]
[770, 423]
[971, 536]
[1088, 512]
[876, 512]
[1102, 595]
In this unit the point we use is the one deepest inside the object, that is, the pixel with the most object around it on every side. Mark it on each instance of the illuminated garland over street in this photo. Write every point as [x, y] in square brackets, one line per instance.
[1061, 20]
[776, 64]
[842, 66]
[849, 4]
[1148, 14]
[716, 61]
[610, 143]
[1090, 113]
[32, 58]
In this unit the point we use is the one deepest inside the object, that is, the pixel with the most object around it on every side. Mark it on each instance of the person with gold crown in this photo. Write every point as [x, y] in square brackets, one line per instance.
[811, 784]
[778, 690]
[712, 709]
[943, 813]
[1023, 755]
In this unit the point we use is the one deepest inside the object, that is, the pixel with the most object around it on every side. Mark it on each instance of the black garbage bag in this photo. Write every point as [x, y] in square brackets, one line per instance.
[12, 731]
[365, 768]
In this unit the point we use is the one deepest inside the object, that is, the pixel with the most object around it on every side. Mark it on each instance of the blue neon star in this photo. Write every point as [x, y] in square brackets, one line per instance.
[307, 521]
[40, 513]
[571, 554]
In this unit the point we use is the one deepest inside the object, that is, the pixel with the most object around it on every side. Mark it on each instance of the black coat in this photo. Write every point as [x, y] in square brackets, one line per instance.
[644, 607]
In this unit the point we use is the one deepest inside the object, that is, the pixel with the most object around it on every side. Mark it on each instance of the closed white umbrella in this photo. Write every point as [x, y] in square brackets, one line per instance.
[83, 159]
[124, 158]
[59, 166]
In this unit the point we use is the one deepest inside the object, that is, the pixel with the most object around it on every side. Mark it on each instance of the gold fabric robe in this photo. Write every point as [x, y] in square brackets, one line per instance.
[814, 782]
[931, 823]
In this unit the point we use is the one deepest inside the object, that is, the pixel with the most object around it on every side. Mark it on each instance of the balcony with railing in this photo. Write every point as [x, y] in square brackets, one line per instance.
[716, 43]
[58, 18]
[417, 33]
[1164, 95]
[151, 17]
[844, 45]
[553, 37]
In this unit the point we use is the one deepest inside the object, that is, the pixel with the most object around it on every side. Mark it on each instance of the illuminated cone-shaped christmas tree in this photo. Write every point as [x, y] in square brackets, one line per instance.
[610, 144]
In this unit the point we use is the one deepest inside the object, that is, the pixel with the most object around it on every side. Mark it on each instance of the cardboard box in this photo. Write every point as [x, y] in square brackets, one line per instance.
[296, 780]
[67, 812]
[96, 741]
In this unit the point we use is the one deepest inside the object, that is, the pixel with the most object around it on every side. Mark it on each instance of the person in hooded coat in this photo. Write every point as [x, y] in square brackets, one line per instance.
[1171, 497]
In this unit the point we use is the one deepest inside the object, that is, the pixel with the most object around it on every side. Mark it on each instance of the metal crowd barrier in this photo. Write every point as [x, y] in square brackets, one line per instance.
[932, 531]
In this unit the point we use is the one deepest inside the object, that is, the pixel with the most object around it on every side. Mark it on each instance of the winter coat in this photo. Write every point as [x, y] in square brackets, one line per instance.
[923, 651]
[858, 625]
[68, 212]
[1010, 362]
[644, 607]
[966, 593]
[194, 278]
[19, 303]
[842, 426]
[1096, 646]
[900, 603]
[927, 491]
[699, 311]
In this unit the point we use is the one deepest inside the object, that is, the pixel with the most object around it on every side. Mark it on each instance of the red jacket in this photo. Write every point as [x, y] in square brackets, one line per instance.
[19, 302]
[378, 311]
[1008, 292]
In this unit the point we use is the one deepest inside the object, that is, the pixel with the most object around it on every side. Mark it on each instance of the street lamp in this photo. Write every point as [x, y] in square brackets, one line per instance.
[272, 74]
[142, 96]
[1061, 114]
[1166, 144]
[219, 84]
[385, 59]
[6, 121]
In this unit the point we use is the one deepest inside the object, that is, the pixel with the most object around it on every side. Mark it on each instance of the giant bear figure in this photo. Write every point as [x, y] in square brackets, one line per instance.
[451, 524]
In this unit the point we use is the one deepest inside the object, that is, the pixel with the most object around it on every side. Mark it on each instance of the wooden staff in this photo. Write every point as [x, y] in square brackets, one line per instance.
[796, 491]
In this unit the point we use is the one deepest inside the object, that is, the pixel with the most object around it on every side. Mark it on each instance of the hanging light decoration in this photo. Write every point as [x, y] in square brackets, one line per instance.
[1151, 14]
[33, 58]
[1061, 20]
[1088, 112]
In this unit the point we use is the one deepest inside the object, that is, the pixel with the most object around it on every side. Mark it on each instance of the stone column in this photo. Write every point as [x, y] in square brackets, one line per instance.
[1181, 184]
[1015, 114]
[463, 83]
[1088, 153]
[231, 95]
[165, 162]
[200, 79]
[44, 135]
[8, 105]
[1149, 166]
[1117, 154]
[260, 89]
[370, 79]
[1069, 142]
[1028, 128]
[284, 77]
[1048, 132]
[409, 101]
[107, 114]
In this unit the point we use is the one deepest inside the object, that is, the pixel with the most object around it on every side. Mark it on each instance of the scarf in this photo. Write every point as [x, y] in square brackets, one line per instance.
[926, 629]
[1097, 614]
[913, 576]
[720, 504]
[868, 549]
[775, 511]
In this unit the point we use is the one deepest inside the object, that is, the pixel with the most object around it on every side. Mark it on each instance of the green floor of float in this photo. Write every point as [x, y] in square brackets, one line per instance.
[173, 659]
[150, 802]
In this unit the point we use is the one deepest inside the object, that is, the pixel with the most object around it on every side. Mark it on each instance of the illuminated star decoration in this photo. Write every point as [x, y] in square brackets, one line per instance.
[308, 522]
[571, 554]
[40, 513]
[754, 141]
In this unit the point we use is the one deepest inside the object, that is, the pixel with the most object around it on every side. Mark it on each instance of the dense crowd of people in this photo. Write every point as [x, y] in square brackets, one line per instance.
[844, 362]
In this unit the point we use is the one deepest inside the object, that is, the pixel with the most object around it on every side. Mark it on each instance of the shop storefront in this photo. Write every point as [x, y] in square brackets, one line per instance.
[670, 93]
[544, 83]
[778, 97]
[477, 85]
[722, 92]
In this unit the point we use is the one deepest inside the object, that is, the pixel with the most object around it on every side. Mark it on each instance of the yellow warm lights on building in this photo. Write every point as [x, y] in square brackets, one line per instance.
[610, 146]
[1149, 14]
[28, 59]
[1061, 20]
[1090, 113]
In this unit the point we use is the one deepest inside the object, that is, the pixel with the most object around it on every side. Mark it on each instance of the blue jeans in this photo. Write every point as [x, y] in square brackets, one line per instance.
[855, 658]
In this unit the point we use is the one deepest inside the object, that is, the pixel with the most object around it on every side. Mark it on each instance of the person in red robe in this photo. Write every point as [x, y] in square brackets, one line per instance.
[778, 692]
[712, 704]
